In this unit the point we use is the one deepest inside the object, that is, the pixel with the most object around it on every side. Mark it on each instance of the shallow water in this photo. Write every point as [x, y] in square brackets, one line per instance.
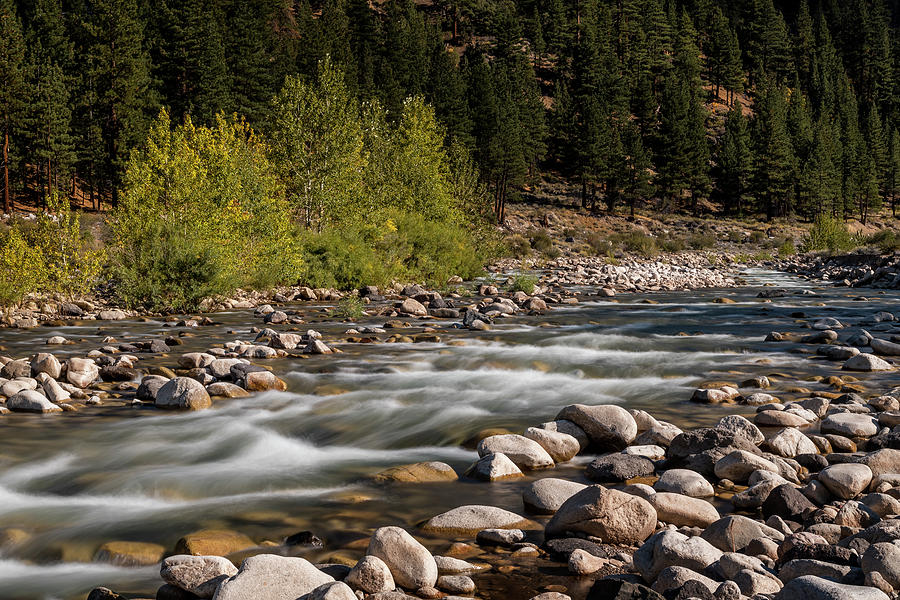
[283, 462]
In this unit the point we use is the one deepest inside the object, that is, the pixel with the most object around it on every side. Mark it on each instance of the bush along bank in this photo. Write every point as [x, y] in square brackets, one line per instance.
[800, 500]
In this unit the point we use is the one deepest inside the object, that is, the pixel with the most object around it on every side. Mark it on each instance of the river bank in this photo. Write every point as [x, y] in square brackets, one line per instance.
[333, 384]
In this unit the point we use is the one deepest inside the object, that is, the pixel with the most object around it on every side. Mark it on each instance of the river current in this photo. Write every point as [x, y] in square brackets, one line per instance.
[283, 462]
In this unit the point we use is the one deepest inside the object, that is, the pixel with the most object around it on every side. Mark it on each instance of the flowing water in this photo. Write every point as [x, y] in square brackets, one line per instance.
[283, 462]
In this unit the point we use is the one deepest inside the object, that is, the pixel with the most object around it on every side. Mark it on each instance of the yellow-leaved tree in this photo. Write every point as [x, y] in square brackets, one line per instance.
[202, 214]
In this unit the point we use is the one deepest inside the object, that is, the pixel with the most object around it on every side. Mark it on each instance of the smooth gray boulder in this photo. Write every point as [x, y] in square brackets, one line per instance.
[734, 532]
[560, 446]
[684, 481]
[473, 518]
[183, 393]
[846, 480]
[611, 515]
[810, 587]
[81, 372]
[607, 425]
[545, 496]
[410, 563]
[494, 467]
[199, 575]
[867, 363]
[525, 453]
[31, 401]
[272, 577]
[371, 575]
[669, 548]
[851, 425]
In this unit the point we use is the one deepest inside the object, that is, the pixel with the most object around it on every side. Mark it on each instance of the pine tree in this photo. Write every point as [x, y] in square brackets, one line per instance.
[250, 57]
[12, 82]
[120, 101]
[804, 44]
[446, 90]
[734, 163]
[892, 176]
[47, 122]
[636, 180]
[818, 180]
[766, 45]
[723, 56]
[682, 155]
[774, 164]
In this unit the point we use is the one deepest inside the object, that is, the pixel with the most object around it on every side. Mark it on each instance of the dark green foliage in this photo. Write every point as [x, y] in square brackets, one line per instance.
[12, 83]
[621, 98]
[734, 163]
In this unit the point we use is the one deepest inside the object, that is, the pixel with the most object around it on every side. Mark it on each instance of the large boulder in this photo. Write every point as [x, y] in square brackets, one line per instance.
[272, 577]
[734, 532]
[31, 401]
[526, 453]
[613, 516]
[560, 446]
[545, 496]
[371, 575]
[216, 542]
[410, 563]
[608, 426]
[81, 372]
[684, 481]
[494, 467]
[617, 467]
[672, 548]
[810, 587]
[183, 393]
[790, 442]
[883, 558]
[867, 362]
[740, 464]
[198, 575]
[846, 480]
[422, 472]
[473, 518]
[44, 362]
[850, 425]
[683, 510]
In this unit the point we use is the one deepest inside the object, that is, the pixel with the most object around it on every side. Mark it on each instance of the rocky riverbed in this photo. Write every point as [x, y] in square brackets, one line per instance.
[790, 490]
[850, 270]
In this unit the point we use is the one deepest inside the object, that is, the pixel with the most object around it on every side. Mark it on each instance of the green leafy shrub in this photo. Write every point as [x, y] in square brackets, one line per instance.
[49, 255]
[757, 237]
[404, 247]
[72, 264]
[202, 214]
[350, 308]
[542, 242]
[599, 244]
[518, 246]
[705, 241]
[638, 242]
[828, 233]
[21, 268]
[524, 283]
[886, 240]
[672, 244]
[787, 248]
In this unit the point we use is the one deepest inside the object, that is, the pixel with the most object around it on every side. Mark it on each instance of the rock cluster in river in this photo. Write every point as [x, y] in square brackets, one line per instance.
[852, 270]
[681, 272]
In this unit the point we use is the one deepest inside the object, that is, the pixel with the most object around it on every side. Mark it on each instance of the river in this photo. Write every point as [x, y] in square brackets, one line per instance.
[283, 462]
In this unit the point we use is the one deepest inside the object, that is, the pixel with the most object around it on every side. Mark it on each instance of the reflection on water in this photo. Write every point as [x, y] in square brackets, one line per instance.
[279, 463]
